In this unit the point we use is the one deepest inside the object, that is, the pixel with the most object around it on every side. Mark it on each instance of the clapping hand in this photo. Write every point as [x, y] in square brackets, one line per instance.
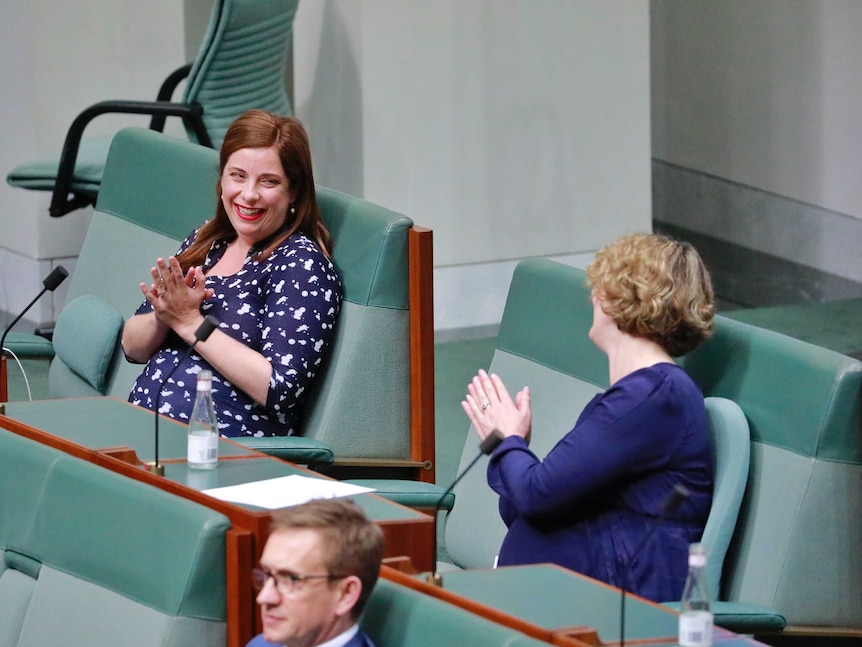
[489, 406]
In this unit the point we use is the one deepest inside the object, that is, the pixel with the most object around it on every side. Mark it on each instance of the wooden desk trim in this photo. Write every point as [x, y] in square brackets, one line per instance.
[4, 378]
[421, 298]
[242, 617]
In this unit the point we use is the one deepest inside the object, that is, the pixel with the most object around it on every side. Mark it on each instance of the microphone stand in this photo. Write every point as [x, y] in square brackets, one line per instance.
[50, 283]
[672, 501]
[209, 324]
[486, 447]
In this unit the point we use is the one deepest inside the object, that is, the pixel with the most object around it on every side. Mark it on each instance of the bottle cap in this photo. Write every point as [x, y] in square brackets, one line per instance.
[205, 379]
[696, 555]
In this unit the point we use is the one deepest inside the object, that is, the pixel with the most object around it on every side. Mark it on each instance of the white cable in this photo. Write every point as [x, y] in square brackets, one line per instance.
[21, 366]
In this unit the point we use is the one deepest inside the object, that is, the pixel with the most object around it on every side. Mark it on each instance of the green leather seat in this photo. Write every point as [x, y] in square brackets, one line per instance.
[241, 64]
[731, 445]
[89, 557]
[27, 345]
[792, 548]
[397, 616]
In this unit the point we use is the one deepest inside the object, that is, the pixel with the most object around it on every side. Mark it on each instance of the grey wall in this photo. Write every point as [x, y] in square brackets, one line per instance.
[756, 128]
[513, 128]
[57, 58]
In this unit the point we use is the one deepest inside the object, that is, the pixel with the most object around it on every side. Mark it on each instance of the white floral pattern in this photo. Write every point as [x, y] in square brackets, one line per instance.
[285, 307]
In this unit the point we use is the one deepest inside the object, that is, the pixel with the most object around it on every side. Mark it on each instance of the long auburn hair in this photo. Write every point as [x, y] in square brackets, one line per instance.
[260, 129]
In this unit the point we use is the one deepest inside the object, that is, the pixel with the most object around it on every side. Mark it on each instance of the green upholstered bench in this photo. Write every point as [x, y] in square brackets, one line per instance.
[372, 405]
[27, 345]
[795, 546]
[89, 557]
[397, 616]
[33, 354]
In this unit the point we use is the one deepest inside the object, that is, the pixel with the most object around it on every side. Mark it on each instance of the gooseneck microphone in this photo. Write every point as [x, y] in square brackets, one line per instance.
[672, 501]
[55, 278]
[486, 447]
[209, 324]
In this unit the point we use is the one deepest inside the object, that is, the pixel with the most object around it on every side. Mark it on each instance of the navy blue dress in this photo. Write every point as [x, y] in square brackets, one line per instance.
[600, 490]
[285, 307]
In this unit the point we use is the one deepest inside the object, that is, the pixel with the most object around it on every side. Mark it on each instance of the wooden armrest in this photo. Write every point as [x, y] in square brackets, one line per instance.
[383, 462]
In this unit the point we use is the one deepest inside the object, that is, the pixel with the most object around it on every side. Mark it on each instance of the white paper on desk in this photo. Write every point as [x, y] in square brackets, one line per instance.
[285, 491]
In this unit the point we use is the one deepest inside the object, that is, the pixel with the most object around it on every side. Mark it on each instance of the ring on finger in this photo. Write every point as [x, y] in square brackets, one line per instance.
[486, 405]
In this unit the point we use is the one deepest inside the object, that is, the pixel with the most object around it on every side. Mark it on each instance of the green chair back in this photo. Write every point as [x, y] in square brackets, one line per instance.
[87, 555]
[242, 62]
[398, 616]
[360, 404]
[803, 406]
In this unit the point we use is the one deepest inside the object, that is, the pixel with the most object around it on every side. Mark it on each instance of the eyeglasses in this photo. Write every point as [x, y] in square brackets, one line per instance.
[285, 582]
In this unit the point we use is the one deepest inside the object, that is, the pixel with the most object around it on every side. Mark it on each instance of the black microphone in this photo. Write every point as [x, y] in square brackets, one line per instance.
[672, 501]
[488, 445]
[55, 278]
[209, 324]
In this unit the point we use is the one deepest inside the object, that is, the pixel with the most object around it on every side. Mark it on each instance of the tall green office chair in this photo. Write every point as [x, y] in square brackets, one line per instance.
[241, 64]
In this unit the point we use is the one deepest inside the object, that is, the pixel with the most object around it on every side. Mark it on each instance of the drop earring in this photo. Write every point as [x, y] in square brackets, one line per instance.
[292, 210]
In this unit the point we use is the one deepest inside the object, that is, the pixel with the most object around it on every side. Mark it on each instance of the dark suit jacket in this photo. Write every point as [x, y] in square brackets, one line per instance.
[359, 640]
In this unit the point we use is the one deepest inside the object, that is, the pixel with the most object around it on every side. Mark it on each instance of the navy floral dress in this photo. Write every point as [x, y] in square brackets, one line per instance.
[285, 307]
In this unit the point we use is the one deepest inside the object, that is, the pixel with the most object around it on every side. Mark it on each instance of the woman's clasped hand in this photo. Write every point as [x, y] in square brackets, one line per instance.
[489, 406]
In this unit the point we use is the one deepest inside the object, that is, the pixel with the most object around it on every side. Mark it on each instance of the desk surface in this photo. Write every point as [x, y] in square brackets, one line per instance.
[105, 422]
[561, 603]
[554, 598]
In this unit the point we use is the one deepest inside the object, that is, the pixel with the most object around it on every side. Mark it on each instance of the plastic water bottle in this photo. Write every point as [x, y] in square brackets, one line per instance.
[202, 453]
[695, 618]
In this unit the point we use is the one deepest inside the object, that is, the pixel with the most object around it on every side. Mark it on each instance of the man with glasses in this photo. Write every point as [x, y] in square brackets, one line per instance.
[317, 570]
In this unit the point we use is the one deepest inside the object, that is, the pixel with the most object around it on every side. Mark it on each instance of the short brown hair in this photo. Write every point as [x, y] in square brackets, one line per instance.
[655, 287]
[352, 544]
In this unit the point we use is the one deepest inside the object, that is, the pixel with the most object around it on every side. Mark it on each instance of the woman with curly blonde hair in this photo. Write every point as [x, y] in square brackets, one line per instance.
[595, 503]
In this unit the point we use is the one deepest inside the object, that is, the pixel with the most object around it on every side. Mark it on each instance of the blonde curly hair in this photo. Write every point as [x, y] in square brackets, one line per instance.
[655, 287]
